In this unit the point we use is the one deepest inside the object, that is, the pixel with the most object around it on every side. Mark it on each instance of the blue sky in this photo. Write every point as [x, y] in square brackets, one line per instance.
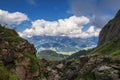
[72, 18]
[43, 9]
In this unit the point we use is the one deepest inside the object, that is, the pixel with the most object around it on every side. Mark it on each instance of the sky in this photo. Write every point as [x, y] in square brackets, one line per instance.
[71, 18]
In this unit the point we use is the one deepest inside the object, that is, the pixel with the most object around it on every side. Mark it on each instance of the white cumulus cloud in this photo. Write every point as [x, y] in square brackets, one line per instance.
[71, 27]
[12, 18]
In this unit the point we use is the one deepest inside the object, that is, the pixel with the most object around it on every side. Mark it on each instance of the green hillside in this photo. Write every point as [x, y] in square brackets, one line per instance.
[18, 58]
[51, 55]
[111, 48]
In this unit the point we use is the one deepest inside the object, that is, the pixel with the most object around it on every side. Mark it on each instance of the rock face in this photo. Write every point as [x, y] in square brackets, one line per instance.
[111, 31]
[17, 54]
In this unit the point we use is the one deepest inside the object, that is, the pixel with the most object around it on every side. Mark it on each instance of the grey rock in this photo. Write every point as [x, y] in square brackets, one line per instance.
[111, 31]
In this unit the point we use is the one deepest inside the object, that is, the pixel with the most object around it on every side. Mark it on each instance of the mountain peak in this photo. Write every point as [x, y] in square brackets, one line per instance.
[111, 31]
[118, 14]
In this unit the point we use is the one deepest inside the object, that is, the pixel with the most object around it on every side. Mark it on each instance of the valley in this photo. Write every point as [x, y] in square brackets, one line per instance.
[19, 59]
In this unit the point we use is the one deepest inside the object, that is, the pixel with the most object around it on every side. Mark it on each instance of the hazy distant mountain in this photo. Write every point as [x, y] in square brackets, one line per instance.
[79, 53]
[63, 45]
[51, 55]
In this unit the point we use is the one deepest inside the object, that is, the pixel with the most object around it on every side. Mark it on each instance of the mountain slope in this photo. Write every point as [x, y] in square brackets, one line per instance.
[17, 57]
[110, 48]
[111, 31]
[109, 38]
[79, 53]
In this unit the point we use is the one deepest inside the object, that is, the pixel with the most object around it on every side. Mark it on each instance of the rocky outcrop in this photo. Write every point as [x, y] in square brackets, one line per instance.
[11, 50]
[111, 31]
[17, 54]
[92, 67]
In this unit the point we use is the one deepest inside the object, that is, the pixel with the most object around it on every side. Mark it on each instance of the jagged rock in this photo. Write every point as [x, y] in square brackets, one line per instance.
[104, 67]
[111, 31]
[12, 54]
[21, 72]
[26, 47]
[84, 59]
[106, 73]
[7, 57]
[60, 66]
[48, 68]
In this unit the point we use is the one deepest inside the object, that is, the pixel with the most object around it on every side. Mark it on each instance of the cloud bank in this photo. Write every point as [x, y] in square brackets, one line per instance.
[71, 27]
[12, 18]
[100, 11]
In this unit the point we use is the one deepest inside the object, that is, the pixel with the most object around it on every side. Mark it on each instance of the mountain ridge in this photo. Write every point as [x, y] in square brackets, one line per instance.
[63, 45]
[111, 31]
[18, 56]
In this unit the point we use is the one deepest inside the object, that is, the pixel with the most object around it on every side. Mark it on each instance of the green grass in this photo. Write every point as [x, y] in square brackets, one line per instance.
[13, 38]
[9, 35]
[116, 53]
[5, 74]
[111, 48]
[8, 32]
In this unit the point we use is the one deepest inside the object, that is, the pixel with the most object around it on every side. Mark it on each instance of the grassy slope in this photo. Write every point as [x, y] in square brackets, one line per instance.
[9, 35]
[111, 48]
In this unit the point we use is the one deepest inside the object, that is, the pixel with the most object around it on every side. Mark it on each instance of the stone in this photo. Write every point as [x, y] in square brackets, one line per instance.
[106, 73]
[60, 66]
[84, 59]
[104, 67]
[21, 72]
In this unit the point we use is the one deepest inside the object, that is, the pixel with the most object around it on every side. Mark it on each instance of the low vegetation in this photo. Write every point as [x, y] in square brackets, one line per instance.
[34, 62]
[5, 74]
[111, 48]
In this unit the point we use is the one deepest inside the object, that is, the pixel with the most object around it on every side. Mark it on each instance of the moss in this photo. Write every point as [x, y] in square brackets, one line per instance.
[34, 62]
[5, 74]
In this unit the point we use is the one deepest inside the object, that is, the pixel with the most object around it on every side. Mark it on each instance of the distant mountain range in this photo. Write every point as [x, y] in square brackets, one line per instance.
[62, 44]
